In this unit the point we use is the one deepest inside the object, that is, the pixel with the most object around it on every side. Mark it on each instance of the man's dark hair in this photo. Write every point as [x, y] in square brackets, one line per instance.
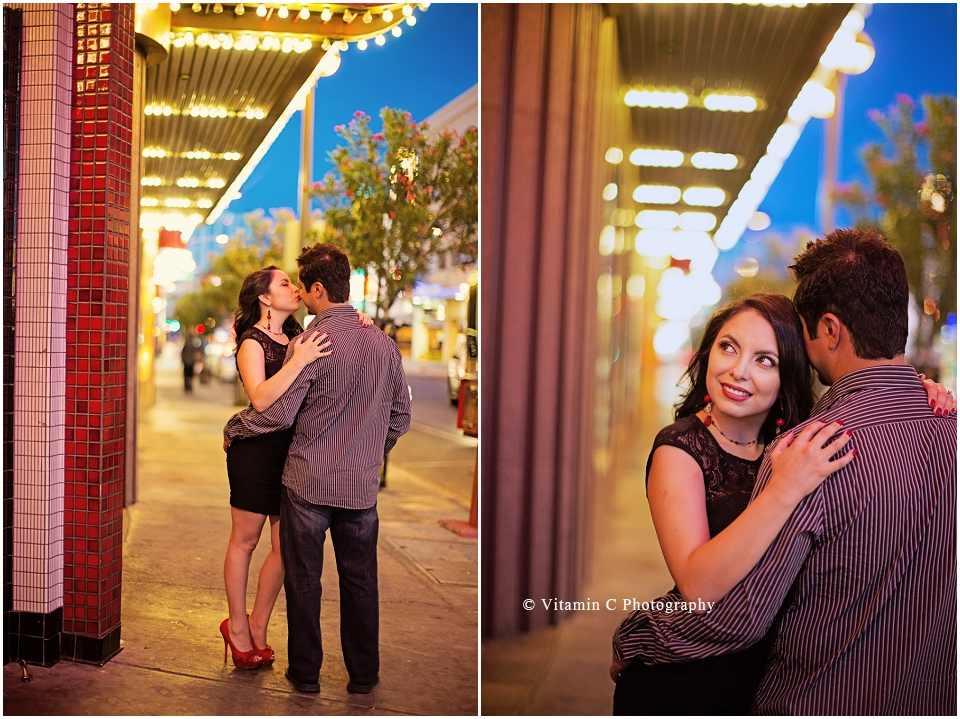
[856, 275]
[328, 265]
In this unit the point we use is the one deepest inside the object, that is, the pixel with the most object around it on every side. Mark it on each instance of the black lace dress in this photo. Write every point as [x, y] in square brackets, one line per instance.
[255, 464]
[723, 685]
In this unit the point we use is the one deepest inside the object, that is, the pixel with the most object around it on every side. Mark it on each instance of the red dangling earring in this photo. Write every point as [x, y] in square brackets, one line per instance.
[780, 421]
[268, 319]
[708, 409]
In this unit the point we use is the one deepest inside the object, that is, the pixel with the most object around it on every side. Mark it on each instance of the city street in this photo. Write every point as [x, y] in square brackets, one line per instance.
[173, 600]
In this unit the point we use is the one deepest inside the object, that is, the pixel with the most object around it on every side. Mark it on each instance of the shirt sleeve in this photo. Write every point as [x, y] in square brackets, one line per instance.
[744, 615]
[280, 415]
[400, 407]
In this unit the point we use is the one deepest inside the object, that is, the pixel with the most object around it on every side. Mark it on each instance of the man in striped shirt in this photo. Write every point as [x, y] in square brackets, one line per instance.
[861, 581]
[349, 409]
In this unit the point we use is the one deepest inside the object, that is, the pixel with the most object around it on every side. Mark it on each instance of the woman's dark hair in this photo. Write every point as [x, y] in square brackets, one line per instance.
[796, 379]
[248, 312]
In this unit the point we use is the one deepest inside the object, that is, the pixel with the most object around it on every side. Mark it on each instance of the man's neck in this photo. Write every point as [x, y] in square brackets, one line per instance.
[325, 304]
[851, 363]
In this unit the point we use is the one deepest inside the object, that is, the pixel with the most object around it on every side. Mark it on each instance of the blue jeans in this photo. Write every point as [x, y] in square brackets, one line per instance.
[303, 527]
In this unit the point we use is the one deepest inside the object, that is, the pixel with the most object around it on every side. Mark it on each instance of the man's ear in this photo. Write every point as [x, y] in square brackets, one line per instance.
[317, 289]
[830, 327]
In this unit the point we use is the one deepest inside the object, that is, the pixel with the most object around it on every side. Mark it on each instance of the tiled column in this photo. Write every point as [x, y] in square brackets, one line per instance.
[40, 349]
[549, 79]
[97, 295]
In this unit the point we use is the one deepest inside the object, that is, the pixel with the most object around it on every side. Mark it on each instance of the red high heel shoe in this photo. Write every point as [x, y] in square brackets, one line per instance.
[241, 660]
[266, 653]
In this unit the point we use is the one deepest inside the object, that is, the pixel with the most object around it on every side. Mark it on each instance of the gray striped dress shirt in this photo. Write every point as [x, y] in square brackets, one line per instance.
[862, 580]
[350, 408]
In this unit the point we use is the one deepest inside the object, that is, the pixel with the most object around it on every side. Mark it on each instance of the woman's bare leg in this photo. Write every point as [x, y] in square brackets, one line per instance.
[268, 587]
[244, 535]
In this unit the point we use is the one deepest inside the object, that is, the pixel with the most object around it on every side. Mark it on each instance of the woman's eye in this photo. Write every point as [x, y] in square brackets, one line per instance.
[768, 361]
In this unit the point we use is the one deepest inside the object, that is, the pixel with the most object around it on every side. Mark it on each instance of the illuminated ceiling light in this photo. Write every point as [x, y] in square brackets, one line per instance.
[179, 42]
[188, 182]
[766, 170]
[387, 16]
[259, 114]
[326, 14]
[204, 204]
[380, 40]
[367, 17]
[396, 31]
[657, 194]
[149, 202]
[411, 21]
[197, 7]
[608, 240]
[656, 158]
[714, 161]
[849, 52]
[610, 191]
[407, 11]
[656, 98]
[343, 45]
[174, 7]
[287, 45]
[239, 9]
[151, 181]
[329, 64]
[704, 196]
[362, 44]
[853, 21]
[261, 10]
[222, 239]
[614, 156]
[729, 103]
[657, 220]
[699, 221]
[282, 13]
[304, 13]
[176, 202]
[424, 6]
[759, 221]
[217, 8]
[782, 142]
[216, 183]
[167, 111]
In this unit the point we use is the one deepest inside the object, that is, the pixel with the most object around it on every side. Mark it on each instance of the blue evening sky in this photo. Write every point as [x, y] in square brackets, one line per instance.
[428, 66]
[916, 47]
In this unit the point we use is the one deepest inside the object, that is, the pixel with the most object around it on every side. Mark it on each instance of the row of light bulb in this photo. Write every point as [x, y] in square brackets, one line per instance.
[191, 154]
[649, 157]
[715, 101]
[671, 195]
[814, 100]
[175, 221]
[283, 12]
[226, 41]
[159, 109]
[179, 202]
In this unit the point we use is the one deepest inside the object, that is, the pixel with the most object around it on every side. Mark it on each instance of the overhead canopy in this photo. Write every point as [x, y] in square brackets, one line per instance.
[751, 59]
[227, 87]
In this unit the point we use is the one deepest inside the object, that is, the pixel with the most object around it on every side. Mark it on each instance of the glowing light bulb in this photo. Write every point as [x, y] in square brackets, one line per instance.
[217, 8]
[411, 21]
[174, 7]
[261, 10]
[396, 32]
[407, 11]
[362, 44]
[326, 14]
[387, 16]
[367, 17]
[304, 13]
[381, 40]
[239, 10]
[282, 13]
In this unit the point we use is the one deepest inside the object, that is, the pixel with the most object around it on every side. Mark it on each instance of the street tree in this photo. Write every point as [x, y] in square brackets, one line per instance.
[399, 200]
[911, 200]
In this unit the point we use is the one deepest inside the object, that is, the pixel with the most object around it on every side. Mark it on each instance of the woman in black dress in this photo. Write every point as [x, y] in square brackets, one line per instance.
[749, 379]
[264, 325]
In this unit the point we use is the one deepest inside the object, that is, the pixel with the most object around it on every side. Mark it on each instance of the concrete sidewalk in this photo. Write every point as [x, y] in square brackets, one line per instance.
[173, 598]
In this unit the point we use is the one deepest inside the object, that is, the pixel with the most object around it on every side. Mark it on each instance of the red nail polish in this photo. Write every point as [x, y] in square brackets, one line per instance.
[849, 433]
[933, 403]
[840, 422]
[853, 451]
[937, 412]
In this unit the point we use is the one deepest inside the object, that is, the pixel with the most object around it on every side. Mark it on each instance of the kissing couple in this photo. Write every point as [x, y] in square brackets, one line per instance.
[327, 405]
